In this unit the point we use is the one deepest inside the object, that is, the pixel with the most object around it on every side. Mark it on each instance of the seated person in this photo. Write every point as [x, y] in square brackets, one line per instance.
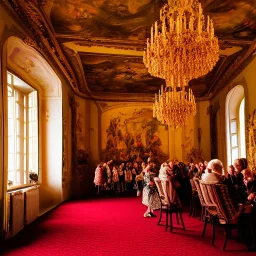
[249, 185]
[231, 175]
[215, 172]
[217, 175]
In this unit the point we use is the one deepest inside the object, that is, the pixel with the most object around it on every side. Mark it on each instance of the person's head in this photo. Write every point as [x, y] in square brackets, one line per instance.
[171, 164]
[135, 165]
[248, 175]
[231, 170]
[192, 166]
[215, 165]
[201, 166]
[244, 163]
[238, 164]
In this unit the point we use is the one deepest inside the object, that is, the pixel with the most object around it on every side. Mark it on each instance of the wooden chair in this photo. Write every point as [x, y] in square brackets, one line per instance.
[201, 199]
[226, 214]
[164, 202]
[175, 205]
[193, 199]
[210, 207]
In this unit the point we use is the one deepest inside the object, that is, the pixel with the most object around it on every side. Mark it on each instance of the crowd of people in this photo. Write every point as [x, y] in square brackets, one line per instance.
[132, 176]
[141, 176]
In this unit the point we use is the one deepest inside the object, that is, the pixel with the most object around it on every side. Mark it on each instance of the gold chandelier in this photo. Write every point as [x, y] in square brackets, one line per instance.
[182, 45]
[173, 107]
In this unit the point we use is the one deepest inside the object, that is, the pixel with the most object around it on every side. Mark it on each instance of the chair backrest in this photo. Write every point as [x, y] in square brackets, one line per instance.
[162, 194]
[193, 185]
[172, 193]
[167, 192]
[218, 195]
[205, 193]
[199, 191]
[225, 207]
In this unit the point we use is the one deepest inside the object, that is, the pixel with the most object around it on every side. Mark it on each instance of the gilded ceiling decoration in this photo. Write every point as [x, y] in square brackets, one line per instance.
[29, 64]
[115, 31]
[118, 24]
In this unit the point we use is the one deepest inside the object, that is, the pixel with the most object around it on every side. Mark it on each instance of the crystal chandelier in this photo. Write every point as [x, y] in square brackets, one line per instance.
[173, 107]
[182, 44]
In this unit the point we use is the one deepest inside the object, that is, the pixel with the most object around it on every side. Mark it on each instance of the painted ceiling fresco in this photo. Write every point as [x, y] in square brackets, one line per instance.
[131, 19]
[115, 23]
[232, 18]
[127, 19]
[122, 74]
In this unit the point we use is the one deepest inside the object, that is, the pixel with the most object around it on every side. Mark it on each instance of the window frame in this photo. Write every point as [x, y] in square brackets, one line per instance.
[21, 105]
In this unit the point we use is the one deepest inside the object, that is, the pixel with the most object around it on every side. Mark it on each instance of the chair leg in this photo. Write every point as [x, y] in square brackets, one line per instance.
[171, 220]
[227, 237]
[177, 217]
[166, 218]
[190, 206]
[203, 213]
[160, 217]
[194, 207]
[205, 224]
[181, 219]
[213, 230]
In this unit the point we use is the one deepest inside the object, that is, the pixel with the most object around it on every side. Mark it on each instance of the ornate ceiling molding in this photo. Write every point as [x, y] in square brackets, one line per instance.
[106, 106]
[29, 13]
[217, 75]
[124, 97]
[74, 58]
[235, 68]
[111, 43]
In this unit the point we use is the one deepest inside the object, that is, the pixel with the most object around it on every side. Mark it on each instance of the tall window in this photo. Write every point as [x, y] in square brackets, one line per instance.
[22, 130]
[235, 124]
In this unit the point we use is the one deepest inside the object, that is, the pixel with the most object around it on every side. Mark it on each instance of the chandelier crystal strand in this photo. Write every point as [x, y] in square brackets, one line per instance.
[182, 44]
[174, 108]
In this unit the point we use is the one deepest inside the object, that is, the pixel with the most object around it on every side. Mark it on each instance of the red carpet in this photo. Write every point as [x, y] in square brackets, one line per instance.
[113, 226]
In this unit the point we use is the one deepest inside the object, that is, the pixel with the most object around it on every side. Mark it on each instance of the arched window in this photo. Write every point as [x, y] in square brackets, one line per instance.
[22, 112]
[33, 121]
[235, 124]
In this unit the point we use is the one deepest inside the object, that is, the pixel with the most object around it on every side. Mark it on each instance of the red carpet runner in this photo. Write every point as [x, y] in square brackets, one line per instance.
[113, 226]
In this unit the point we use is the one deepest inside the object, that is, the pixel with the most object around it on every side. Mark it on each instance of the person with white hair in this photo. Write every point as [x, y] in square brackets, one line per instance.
[214, 172]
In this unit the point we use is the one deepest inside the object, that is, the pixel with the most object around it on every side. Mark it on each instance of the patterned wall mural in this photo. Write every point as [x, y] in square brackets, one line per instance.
[134, 135]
